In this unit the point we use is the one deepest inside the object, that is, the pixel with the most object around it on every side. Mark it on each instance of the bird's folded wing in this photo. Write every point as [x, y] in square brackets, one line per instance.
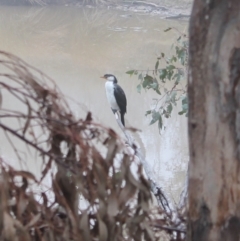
[120, 98]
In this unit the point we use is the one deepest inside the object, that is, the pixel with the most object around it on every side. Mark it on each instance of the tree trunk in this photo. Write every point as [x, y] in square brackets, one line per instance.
[214, 121]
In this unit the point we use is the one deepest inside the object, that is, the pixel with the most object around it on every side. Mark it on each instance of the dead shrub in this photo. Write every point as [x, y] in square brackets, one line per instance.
[116, 200]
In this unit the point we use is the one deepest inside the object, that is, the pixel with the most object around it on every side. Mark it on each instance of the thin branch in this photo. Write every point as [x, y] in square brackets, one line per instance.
[42, 151]
[157, 191]
[169, 228]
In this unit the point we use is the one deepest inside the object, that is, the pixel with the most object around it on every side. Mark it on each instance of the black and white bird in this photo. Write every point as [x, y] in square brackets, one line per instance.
[116, 96]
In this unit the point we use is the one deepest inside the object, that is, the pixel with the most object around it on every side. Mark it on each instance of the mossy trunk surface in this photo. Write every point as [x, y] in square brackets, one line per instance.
[214, 121]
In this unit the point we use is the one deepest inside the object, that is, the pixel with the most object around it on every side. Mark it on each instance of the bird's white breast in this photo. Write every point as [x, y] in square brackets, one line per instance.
[109, 86]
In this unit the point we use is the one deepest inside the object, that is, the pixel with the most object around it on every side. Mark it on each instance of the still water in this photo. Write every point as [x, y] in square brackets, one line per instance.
[75, 46]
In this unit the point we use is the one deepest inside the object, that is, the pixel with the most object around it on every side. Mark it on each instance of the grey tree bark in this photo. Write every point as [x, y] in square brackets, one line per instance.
[214, 121]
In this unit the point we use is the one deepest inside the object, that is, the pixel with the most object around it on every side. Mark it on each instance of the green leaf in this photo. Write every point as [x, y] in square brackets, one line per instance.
[147, 81]
[185, 100]
[169, 108]
[158, 92]
[168, 29]
[155, 86]
[130, 72]
[181, 112]
[173, 97]
[139, 87]
[181, 54]
[156, 66]
[163, 74]
[170, 74]
[140, 76]
[149, 77]
[185, 104]
[160, 124]
[155, 117]
[148, 112]
[170, 67]
[177, 76]
[185, 107]
[162, 54]
[182, 60]
[173, 59]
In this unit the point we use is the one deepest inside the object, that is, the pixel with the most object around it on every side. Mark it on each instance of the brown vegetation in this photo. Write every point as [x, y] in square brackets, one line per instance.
[117, 202]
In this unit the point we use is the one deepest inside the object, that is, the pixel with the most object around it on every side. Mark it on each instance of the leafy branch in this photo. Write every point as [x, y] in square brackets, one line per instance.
[168, 82]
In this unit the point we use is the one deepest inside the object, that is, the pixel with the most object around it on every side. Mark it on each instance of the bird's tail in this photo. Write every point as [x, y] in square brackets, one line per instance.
[122, 118]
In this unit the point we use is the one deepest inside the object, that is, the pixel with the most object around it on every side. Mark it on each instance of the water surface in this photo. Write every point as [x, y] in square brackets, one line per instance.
[75, 46]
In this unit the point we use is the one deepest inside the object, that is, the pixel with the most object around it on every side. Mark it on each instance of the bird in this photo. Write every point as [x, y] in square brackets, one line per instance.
[115, 96]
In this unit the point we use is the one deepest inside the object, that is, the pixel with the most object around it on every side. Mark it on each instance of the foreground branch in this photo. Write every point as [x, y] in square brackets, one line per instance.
[162, 200]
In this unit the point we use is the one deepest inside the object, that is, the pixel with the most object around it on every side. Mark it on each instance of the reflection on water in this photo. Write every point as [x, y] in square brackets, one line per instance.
[75, 46]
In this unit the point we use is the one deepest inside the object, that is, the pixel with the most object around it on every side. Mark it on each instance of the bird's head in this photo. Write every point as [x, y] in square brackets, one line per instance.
[110, 77]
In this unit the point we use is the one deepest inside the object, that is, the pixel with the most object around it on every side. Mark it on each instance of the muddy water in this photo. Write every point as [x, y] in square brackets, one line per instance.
[75, 46]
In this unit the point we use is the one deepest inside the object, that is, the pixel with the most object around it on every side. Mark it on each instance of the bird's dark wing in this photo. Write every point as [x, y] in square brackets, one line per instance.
[120, 98]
